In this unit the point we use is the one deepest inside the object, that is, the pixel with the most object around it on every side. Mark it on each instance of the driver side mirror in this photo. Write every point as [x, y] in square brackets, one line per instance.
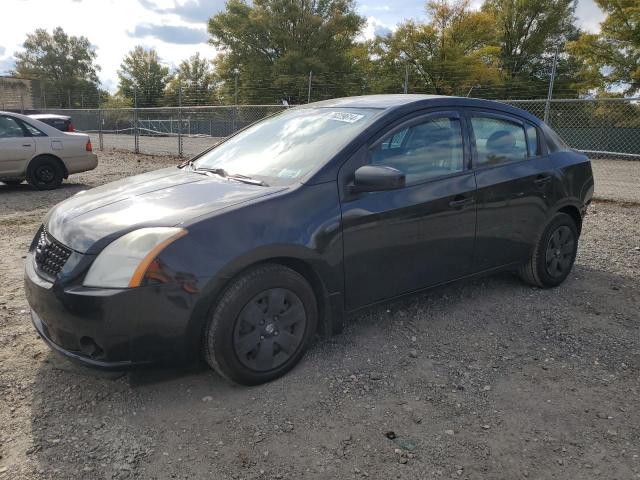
[374, 178]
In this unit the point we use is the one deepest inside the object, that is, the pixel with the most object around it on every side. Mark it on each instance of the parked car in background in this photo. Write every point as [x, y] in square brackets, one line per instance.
[243, 253]
[39, 153]
[61, 122]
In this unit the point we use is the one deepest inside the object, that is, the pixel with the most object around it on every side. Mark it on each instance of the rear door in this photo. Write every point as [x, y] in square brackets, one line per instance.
[16, 147]
[402, 240]
[514, 179]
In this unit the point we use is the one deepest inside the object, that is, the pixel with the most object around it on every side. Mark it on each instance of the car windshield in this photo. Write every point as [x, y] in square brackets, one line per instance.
[282, 149]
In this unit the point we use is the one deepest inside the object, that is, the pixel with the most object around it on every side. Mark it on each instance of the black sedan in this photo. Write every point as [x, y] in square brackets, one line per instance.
[245, 252]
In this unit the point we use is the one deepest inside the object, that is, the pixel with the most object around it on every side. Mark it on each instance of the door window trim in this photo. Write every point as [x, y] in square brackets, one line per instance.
[469, 113]
[401, 124]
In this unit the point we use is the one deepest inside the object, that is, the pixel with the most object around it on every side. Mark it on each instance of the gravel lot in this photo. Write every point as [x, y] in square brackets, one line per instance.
[483, 379]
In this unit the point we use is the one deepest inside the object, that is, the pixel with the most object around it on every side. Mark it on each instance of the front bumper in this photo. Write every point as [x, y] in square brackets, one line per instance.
[114, 329]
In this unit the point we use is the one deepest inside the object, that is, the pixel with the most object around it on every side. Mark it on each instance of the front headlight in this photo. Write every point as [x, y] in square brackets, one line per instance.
[124, 261]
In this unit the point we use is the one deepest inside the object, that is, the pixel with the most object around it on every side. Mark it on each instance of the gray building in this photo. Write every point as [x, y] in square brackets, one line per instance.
[19, 94]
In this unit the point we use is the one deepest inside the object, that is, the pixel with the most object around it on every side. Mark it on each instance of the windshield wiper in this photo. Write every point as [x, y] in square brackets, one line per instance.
[235, 176]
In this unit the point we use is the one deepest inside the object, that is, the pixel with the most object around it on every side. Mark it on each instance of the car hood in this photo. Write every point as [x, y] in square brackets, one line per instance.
[93, 218]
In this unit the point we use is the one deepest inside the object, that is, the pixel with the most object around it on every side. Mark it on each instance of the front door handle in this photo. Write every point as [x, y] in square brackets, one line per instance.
[542, 180]
[26, 144]
[461, 202]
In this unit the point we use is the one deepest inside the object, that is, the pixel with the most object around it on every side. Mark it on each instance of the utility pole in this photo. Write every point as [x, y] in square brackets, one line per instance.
[180, 121]
[309, 90]
[547, 106]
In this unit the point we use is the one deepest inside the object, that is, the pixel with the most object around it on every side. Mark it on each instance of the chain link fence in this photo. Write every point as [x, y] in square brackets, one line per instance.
[600, 127]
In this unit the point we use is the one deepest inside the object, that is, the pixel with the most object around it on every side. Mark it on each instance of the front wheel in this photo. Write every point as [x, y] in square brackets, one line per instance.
[553, 255]
[261, 326]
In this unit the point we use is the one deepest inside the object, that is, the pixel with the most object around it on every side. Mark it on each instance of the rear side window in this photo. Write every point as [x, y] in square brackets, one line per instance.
[33, 130]
[498, 140]
[10, 128]
[430, 149]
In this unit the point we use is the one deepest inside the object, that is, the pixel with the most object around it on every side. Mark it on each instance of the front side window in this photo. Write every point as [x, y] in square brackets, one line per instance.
[427, 150]
[10, 128]
[282, 149]
[498, 141]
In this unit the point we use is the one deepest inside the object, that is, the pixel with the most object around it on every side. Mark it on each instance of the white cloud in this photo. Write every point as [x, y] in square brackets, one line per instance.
[105, 23]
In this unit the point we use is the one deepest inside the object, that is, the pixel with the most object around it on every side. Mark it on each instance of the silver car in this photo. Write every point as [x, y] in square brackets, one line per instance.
[39, 153]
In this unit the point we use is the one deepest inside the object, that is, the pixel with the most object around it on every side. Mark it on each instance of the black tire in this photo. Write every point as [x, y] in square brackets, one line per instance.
[553, 255]
[261, 325]
[12, 182]
[45, 173]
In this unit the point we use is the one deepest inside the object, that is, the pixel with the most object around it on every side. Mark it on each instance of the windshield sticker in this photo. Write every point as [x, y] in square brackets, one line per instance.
[345, 117]
[288, 173]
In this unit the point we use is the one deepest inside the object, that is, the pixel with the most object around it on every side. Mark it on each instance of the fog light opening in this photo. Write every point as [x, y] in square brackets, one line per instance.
[89, 347]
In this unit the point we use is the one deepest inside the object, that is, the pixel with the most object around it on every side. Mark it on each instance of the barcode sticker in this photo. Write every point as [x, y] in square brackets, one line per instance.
[345, 117]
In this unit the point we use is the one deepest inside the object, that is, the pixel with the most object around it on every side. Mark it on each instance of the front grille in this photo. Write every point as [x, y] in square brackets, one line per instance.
[50, 254]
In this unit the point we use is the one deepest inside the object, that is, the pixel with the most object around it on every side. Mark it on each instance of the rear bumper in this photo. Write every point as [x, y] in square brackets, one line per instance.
[81, 163]
[114, 329]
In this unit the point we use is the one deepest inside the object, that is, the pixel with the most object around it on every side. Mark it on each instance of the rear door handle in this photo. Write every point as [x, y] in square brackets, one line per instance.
[543, 180]
[461, 202]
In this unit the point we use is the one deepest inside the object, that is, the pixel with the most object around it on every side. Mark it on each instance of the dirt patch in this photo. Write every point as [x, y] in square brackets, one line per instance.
[482, 379]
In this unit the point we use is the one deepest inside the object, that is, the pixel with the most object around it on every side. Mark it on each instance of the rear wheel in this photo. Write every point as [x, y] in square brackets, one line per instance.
[554, 254]
[12, 182]
[45, 173]
[261, 326]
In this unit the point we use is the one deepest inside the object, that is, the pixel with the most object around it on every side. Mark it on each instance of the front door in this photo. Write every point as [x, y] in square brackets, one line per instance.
[402, 240]
[515, 181]
[16, 148]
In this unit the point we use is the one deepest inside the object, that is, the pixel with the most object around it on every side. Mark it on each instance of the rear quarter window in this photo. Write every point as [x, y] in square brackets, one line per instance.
[553, 140]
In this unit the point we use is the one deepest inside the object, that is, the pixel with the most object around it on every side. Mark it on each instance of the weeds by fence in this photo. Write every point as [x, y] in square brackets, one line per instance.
[608, 126]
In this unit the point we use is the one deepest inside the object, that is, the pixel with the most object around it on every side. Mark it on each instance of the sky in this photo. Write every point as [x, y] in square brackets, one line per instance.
[175, 28]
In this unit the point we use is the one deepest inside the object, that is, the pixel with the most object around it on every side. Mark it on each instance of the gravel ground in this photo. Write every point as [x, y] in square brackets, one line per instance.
[617, 180]
[483, 379]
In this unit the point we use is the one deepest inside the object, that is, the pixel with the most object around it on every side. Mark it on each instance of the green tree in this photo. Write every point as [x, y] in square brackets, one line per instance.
[195, 78]
[528, 33]
[270, 46]
[449, 55]
[612, 57]
[142, 78]
[64, 65]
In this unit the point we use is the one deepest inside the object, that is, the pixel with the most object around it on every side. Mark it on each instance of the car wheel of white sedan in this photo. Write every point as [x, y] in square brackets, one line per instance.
[45, 173]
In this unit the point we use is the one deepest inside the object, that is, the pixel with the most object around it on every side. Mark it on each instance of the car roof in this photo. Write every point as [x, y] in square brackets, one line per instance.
[48, 129]
[49, 115]
[415, 101]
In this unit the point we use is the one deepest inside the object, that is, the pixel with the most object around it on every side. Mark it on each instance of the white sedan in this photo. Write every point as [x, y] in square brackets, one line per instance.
[41, 154]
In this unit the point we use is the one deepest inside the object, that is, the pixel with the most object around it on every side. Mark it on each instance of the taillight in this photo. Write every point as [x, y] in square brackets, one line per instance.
[71, 128]
[89, 147]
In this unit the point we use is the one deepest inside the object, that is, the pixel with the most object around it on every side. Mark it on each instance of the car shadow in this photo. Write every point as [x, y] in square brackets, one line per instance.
[108, 424]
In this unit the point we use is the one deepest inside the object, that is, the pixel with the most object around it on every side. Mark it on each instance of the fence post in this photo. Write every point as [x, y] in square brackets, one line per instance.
[100, 122]
[136, 140]
[69, 97]
[547, 106]
[309, 90]
[406, 79]
[180, 121]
